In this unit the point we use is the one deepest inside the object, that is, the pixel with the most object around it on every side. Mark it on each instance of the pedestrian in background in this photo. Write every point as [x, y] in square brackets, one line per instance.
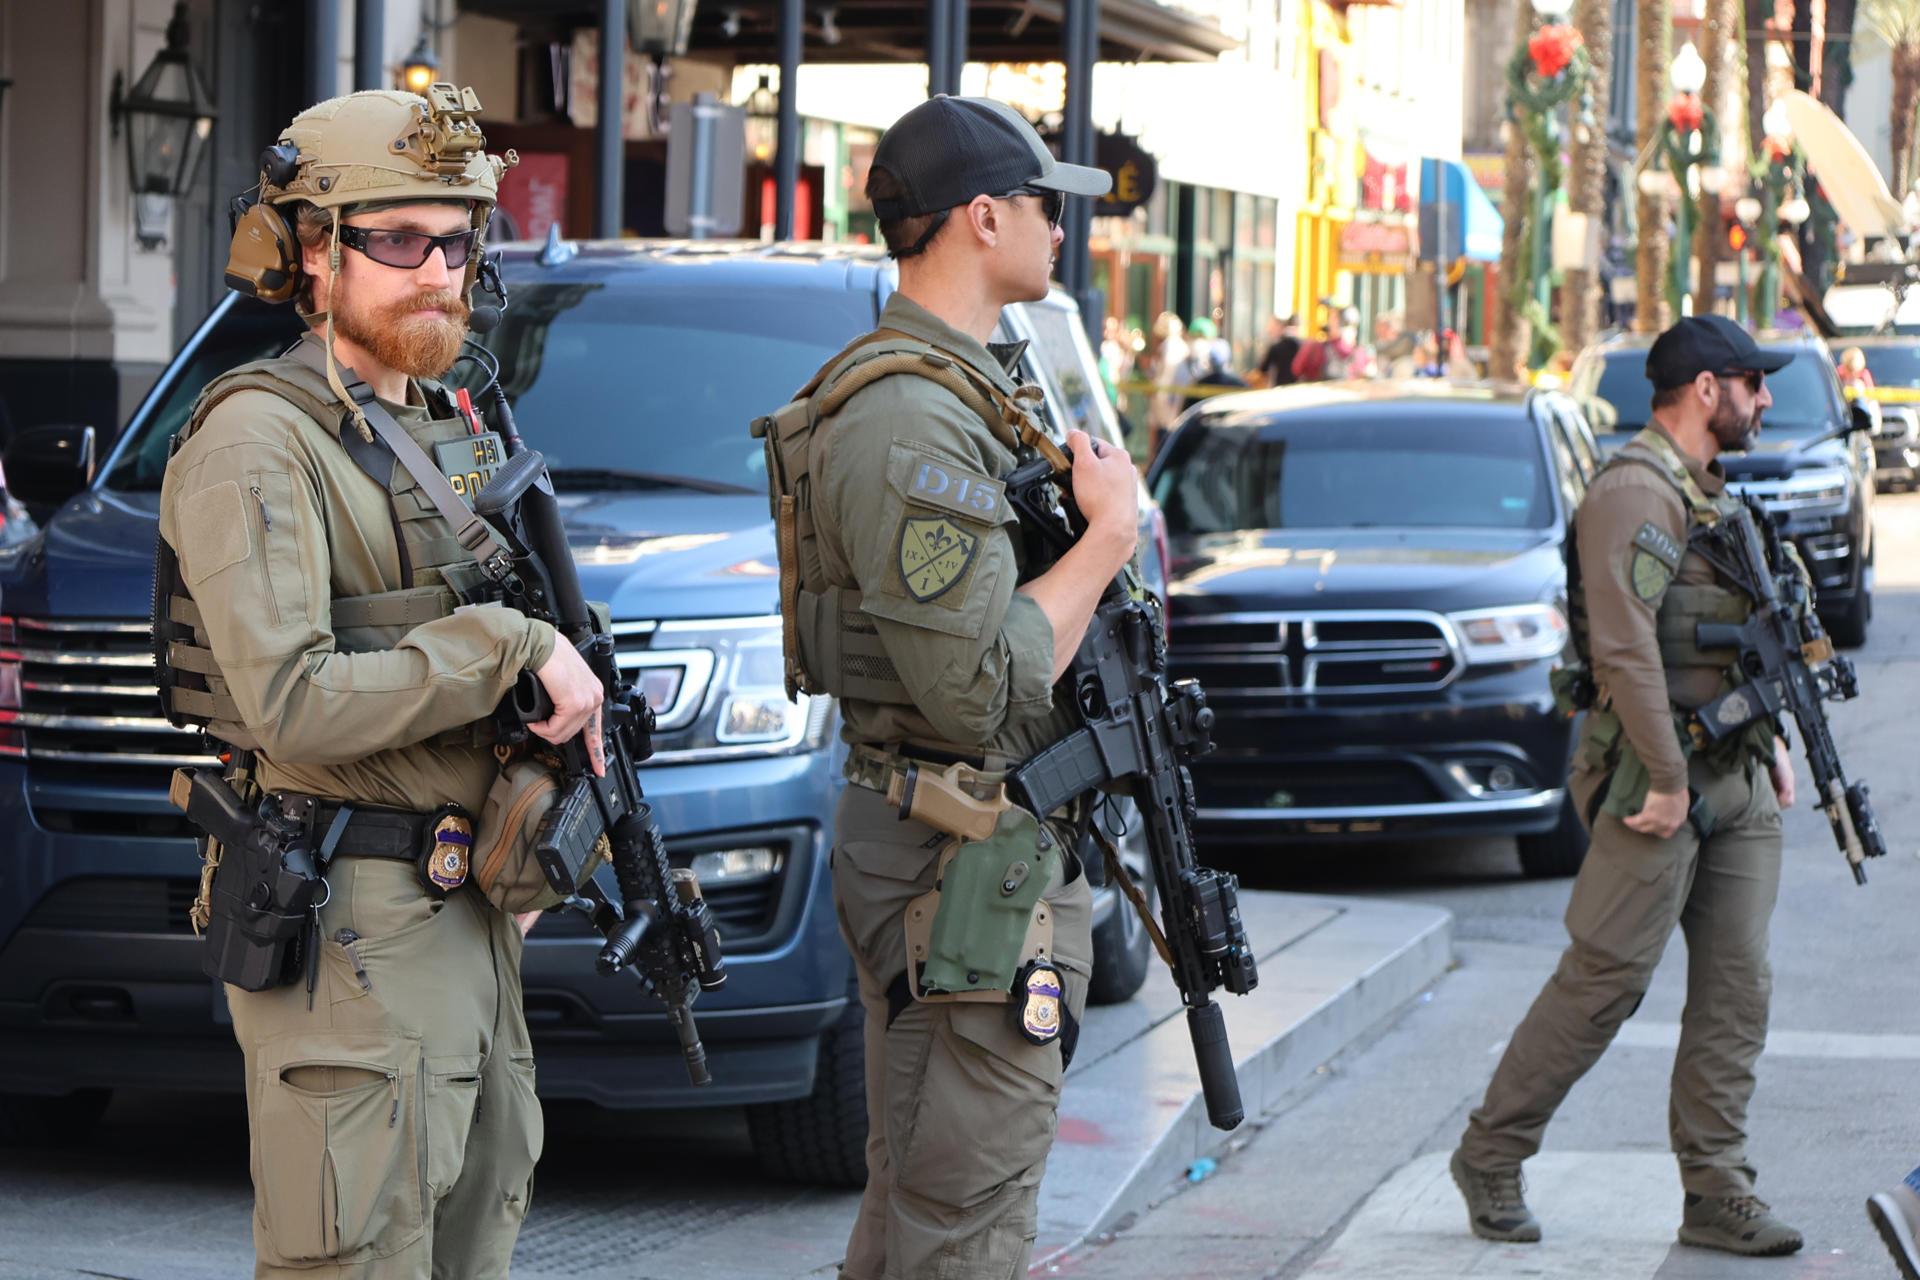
[1116, 357]
[1853, 370]
[1169, 353]
[1283, 344]
[1209, 362]
[1339, 355]
[1680, 835]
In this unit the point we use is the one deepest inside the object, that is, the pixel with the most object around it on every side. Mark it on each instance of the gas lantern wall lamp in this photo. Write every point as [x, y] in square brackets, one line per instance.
[169, 117]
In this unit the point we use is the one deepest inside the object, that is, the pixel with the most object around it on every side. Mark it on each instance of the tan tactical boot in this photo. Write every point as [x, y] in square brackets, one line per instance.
[1496, 1203]
[1738, 1224]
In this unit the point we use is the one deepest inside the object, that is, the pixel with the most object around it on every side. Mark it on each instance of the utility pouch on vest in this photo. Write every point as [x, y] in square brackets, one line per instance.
[970, 937]
[266, 887]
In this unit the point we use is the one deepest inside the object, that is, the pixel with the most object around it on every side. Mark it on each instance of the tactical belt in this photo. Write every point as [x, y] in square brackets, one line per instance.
[873, 767]
[376, 833]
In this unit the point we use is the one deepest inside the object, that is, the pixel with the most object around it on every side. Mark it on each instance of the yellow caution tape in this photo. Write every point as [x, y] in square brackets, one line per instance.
[1886, 395]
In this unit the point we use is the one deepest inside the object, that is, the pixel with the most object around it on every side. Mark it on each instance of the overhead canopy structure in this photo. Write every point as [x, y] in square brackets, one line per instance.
[896, 30]
[1847, 173]
[1473, 226]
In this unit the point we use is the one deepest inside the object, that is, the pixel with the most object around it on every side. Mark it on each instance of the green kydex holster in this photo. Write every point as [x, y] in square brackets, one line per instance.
[969, 938]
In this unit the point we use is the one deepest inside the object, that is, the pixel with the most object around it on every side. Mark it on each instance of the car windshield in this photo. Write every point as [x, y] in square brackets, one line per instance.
[1803, 395]
[620, 388]
[1235, 471]
[1894, 366]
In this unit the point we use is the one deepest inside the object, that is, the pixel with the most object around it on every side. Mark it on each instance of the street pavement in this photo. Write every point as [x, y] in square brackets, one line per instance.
[1350, 1179]
[1345, 1172]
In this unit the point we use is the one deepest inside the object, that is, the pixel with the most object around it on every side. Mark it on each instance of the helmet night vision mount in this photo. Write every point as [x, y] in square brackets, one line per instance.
[374, 147]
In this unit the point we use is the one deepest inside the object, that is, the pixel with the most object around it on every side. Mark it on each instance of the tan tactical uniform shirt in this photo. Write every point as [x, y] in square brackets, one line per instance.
[271, 521]
[911, 480]
[1631, 529]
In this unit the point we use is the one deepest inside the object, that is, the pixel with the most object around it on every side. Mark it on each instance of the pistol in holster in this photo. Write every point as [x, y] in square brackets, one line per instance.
[267, 886]
[984, 925]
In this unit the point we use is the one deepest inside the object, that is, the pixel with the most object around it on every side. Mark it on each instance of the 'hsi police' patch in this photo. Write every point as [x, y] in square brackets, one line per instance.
[935, 553]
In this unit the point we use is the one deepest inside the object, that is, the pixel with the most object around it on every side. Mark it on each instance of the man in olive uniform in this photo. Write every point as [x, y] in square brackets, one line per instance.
[391, 1094]
[910, 599]
[1637, 589]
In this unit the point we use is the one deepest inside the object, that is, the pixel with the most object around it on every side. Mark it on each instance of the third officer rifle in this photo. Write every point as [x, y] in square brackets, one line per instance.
[661, 925]
[1136, 734]
[1789, 665]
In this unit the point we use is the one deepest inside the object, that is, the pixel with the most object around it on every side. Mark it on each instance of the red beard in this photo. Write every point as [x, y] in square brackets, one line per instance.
[418, 346]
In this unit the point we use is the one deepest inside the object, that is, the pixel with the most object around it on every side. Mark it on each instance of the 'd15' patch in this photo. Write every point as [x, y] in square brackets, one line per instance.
[935, 553]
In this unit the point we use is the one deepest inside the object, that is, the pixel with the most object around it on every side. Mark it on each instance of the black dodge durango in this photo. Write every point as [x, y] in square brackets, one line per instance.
[1370, 582]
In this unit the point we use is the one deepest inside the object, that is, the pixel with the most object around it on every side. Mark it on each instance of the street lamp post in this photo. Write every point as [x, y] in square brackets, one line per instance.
[1690, 139]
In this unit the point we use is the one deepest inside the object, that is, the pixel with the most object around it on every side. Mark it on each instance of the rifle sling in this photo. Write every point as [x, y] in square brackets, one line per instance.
[469, 529]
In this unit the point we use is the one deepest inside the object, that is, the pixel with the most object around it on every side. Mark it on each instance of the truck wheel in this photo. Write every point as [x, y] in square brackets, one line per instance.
[30, 1120]
[1558, 851]
[1122, 948]
[822, 1138]
[1849, 627]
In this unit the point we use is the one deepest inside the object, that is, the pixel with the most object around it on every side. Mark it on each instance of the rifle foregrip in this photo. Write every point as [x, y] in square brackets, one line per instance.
[1218, 1082]
[1069, 768]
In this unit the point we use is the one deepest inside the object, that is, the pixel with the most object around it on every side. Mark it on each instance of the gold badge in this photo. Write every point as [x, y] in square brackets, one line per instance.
[1037, 992]
[935, 553]
[449, 855]
[1650, 576]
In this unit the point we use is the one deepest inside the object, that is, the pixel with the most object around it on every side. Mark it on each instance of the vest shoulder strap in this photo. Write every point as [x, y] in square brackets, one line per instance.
[1652, 449]
[281, 376]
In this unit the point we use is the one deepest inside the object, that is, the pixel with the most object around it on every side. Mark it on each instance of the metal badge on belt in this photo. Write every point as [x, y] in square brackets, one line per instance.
[449, 849]
[1036, 1002]
[468, 462]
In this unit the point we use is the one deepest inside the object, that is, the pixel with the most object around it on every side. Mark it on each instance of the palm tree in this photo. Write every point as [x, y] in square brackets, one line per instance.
[1654, 18]
[1716, 39]
[1587, 174]
[1897, 22]
[1512, 334]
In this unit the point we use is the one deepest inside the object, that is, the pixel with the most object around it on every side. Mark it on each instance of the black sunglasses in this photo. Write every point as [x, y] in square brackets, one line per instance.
[1052, 203]
[409, 249]
[1752, 377]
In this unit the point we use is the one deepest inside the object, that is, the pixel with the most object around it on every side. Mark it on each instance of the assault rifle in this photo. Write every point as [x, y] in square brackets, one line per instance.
[1137, 732]
[661, 925]
[1790, 665]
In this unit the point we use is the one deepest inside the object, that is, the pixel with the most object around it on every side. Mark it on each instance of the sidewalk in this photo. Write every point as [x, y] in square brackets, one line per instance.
[1131, 1118]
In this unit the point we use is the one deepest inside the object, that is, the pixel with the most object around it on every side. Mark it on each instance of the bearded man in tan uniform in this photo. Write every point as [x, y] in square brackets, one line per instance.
[391, 1094]
[1637, 590]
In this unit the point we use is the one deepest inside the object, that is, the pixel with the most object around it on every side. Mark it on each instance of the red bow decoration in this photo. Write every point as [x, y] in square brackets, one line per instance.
[1685, 112]
[1552, 48]
[1778, 149]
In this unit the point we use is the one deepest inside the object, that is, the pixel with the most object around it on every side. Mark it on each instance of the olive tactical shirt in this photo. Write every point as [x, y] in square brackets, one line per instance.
[911, 481]
[272, 521]
[1623, 597]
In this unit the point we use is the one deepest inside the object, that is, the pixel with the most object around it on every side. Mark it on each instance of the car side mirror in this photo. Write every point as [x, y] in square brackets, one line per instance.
[1863, 415]
[47, 465]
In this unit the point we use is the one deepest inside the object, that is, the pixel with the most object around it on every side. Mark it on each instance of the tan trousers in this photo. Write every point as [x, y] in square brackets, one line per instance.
[1629, 894]
[394, 1126]
[960, 1107]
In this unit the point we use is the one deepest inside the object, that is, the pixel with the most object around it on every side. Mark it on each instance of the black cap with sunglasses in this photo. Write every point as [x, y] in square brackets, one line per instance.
[948, 150]
[1707, 344]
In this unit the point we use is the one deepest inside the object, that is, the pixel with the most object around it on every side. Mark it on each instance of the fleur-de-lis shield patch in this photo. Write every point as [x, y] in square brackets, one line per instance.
[935, 553]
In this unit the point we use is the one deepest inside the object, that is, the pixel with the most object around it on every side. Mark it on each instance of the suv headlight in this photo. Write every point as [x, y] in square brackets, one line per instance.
[718, 691]
[1512, 633]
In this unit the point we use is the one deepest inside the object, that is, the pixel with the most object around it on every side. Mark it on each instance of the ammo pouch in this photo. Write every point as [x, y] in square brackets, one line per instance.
[505, 866]
[970, 937]
[1607, 750]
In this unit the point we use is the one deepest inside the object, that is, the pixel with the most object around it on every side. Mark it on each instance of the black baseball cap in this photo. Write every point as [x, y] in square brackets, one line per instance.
[1706, 344]
[948, 150]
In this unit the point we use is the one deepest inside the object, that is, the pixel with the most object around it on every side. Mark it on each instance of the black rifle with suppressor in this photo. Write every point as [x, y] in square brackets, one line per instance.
[1137, 732]
[661, 925]
[1790, 665]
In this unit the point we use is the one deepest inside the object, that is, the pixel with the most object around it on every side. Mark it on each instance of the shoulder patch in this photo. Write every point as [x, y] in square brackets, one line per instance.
[1662, 545]
[934, 554]
[1649, 575]
[944, 484]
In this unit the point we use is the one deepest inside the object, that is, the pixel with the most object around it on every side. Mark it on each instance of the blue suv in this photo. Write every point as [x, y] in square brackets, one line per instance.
[635, 369]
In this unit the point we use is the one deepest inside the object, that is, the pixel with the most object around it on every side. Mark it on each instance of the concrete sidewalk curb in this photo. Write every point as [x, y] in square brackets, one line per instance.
[1330, 986]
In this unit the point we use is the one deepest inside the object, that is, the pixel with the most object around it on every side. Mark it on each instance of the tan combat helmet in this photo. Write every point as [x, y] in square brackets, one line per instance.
[374, 147]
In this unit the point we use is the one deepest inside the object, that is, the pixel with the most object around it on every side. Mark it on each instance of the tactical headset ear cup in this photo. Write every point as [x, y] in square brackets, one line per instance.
[264, 258]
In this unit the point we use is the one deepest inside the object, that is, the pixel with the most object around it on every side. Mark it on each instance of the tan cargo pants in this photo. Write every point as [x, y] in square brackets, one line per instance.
[960, 1107]
[1629, 894]
[394, 1127]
